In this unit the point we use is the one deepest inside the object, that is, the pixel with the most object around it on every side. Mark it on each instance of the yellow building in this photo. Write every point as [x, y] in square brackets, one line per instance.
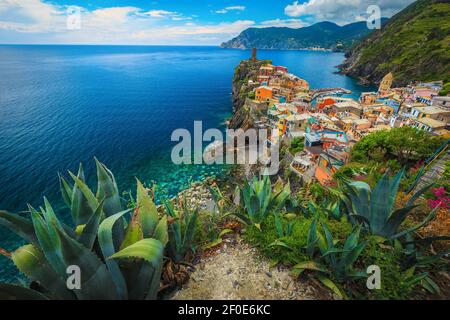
[385, 85]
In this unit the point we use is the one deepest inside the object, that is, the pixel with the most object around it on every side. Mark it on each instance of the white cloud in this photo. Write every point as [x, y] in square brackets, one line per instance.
[343, 11]
[35, 21]
[161, 13]
[232, 8]
[290, 23]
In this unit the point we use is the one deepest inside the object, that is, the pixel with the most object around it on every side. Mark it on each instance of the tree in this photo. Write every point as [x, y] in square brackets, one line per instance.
[407, 145]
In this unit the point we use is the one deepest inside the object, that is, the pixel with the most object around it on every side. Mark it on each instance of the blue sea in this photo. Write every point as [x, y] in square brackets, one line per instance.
[62, 105]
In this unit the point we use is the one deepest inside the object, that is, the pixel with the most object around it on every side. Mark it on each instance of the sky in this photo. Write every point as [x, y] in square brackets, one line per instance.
[168, 22]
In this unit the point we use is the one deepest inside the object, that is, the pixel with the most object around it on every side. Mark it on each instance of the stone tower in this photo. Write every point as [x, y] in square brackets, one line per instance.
[254, 54]
[385, 84]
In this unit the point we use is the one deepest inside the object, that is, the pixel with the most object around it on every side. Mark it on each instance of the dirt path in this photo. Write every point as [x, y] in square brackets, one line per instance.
[238, 272]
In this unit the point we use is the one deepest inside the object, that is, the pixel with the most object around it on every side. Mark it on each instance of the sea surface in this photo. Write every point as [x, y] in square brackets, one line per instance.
[62, 105]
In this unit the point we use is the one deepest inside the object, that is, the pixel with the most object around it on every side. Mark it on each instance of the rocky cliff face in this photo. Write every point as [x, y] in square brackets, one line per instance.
[414, 45]
[245, 71]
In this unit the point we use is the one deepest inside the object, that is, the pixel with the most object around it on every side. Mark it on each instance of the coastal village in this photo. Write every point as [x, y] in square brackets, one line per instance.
[328, 124]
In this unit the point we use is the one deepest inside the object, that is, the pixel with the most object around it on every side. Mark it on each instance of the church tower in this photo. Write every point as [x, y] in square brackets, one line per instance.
[385, 85]
[254, 54]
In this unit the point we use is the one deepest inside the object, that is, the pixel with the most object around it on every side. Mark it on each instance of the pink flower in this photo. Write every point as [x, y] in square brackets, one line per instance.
[439, 192]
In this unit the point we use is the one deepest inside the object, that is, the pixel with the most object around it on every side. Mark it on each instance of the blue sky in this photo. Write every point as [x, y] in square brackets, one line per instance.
[171, 22]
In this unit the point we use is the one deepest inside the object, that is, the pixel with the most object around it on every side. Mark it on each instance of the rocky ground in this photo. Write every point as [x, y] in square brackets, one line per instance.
[236, 271]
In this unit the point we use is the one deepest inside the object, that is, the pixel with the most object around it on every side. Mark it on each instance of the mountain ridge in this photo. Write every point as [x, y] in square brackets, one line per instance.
[324, 35]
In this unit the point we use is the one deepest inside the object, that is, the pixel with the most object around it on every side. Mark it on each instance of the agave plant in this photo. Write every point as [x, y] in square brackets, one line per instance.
[114, 263]
[334, 261]
[376, 207]
[258, 199]
[181, 230]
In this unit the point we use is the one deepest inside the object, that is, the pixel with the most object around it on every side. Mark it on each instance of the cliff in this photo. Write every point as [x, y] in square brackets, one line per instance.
[245, 71]
[413, 45]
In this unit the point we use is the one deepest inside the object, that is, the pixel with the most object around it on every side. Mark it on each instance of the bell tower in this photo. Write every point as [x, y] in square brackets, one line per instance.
[254, 54]
[386, 83]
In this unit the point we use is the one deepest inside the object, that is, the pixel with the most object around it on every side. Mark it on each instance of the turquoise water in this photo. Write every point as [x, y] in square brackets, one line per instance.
[60, 105]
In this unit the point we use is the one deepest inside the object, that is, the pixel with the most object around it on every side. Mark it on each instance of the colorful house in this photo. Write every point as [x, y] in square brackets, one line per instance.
[263, 93]
[265, 72]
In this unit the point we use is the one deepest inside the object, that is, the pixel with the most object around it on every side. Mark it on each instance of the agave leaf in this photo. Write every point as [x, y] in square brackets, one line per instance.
[133, 233]
[14, 292]
[19, 225]
[352, 239]
[419, 225]
[430, 285]
[174, 230]
[280, 198]
[148, 213]
[66, 191]
[395, 220]
[416, 195]
[359, 195]
[329, 243]
[155, 279]
[189, 232]
[84, 202]
[279, 243]
[311, 239]
[213, 243]
[96, 281]
[379, 204]
[30, 260]
[351, 256]
[105, 239]
[415, 279]
[332, 286]
[360, 219]
[50, 246]
[310, 265]
[394, 185]
[149, 249]
[279, 225]
[89, 232]
[160, 232]
[264, 195]
[427, 260]
[255, 209]
[107, 189]
[50, 216]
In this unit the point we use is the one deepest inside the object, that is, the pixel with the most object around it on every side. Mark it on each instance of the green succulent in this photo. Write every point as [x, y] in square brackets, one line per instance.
[114, 262]
[376, 207]
[181, 230]
[335, 262]
[259, 199]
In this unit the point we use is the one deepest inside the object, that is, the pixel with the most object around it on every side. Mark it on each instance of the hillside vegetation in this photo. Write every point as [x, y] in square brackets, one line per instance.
[414, 45]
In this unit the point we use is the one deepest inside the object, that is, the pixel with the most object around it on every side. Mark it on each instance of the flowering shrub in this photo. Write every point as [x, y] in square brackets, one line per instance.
[440, 198]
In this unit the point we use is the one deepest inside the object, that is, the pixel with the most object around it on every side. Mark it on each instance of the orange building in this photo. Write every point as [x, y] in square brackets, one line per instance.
[322, 103]
[263, 93]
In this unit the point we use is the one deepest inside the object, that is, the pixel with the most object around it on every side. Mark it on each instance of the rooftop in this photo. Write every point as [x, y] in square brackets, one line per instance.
[432, 123]
[431, 110]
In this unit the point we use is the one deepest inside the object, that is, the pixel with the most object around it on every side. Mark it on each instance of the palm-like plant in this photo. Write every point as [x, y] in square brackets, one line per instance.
[376, 207]
[258, 199]
[114, 263]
